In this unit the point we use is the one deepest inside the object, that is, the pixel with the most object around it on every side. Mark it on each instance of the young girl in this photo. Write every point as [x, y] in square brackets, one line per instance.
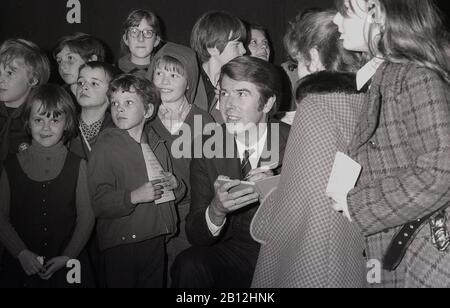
[93, 83]
[23, 66]
[72, 52]
[175, 75]
[45, 211]
[140, 39]
[320, 248]
[402, 140]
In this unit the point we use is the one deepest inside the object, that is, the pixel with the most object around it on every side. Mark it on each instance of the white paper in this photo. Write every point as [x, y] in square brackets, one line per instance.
[154, 171]
[343, 178]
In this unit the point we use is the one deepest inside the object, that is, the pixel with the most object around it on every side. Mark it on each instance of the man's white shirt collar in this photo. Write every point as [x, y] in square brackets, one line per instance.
[367, 72]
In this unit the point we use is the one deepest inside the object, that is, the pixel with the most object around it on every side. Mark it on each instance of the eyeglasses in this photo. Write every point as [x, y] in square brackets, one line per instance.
[135, 33]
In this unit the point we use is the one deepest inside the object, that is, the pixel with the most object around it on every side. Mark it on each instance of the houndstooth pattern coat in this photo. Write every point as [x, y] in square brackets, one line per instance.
[403, 144]
[304, 242]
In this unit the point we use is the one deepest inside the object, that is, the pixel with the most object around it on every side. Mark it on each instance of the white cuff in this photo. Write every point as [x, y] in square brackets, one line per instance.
[215, 230]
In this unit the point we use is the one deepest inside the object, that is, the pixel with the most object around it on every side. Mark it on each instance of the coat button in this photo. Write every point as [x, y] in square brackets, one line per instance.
[372, 144]
[45, 229]
[44, 214]
[134, 237]
[123, 238]
[45, 244]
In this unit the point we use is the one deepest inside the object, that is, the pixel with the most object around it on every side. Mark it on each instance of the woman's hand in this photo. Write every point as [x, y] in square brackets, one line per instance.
[30, 263]
[53, 266]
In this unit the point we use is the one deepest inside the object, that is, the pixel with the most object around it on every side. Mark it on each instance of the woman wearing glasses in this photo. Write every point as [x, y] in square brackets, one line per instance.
[141, 39]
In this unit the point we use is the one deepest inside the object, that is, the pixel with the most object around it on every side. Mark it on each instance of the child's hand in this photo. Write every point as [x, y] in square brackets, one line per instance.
[53, 266]
[169, 181]
[30, 263]
[148, 192]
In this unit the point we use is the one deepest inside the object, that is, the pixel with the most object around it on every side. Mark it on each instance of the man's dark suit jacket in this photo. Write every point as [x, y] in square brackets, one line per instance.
[204, 173]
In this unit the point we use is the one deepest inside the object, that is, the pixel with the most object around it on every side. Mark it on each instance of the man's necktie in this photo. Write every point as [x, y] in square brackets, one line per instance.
[245, 164]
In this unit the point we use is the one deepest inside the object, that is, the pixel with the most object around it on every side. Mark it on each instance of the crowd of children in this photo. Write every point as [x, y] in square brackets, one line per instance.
[90, 169]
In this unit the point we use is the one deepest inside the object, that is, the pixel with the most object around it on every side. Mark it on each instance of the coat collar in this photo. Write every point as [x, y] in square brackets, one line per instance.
[370, 113]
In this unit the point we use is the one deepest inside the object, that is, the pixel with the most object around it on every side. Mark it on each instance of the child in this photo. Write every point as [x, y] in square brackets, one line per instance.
[93, 83]
[126, 185]
[402, 140]
[217, 38]
[48, 225]
[72, 52]
[175, 75]
[259, 45]
[22, 67]
[140, 39]
[323, 249]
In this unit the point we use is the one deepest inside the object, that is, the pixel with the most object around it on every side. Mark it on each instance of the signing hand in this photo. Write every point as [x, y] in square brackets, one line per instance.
[259, 174]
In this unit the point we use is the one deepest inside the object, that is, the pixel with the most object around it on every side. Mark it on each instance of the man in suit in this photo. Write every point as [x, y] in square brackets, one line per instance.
[218, 225]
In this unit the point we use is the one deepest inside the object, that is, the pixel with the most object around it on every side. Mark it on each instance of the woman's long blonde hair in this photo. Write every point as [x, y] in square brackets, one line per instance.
[412, 30]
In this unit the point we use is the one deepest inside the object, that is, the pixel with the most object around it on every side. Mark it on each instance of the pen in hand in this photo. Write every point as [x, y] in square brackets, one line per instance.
[262, 169]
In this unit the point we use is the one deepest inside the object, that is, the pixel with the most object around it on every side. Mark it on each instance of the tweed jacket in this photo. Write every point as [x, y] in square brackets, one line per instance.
[305, 243]
[403, 143]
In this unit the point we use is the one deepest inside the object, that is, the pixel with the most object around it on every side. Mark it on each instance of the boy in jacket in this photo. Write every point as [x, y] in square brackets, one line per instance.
[130, 180]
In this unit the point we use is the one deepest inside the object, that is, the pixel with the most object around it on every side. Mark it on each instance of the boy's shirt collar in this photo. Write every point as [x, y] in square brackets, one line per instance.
[365, 74]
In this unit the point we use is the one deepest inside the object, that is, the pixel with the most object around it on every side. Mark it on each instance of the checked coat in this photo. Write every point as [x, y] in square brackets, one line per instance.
[304, 242]
[403, 144]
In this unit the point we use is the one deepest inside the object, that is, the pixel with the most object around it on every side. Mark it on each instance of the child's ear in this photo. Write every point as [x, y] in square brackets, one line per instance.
[125, 39]
[269, 105]
[149, 112]
[157, 41]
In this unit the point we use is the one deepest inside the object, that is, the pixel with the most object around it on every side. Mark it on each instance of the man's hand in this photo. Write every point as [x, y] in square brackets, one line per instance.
[225, 202]
[259, 174]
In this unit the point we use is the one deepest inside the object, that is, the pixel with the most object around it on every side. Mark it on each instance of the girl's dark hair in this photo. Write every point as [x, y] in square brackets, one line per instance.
[134, 19]
[111, 71]
[142, 87]
[55, 101]
[316, 29]
[83, 44]
[216, 29]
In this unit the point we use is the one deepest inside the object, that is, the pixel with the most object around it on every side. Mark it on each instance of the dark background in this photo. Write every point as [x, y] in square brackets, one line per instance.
[44, 21]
